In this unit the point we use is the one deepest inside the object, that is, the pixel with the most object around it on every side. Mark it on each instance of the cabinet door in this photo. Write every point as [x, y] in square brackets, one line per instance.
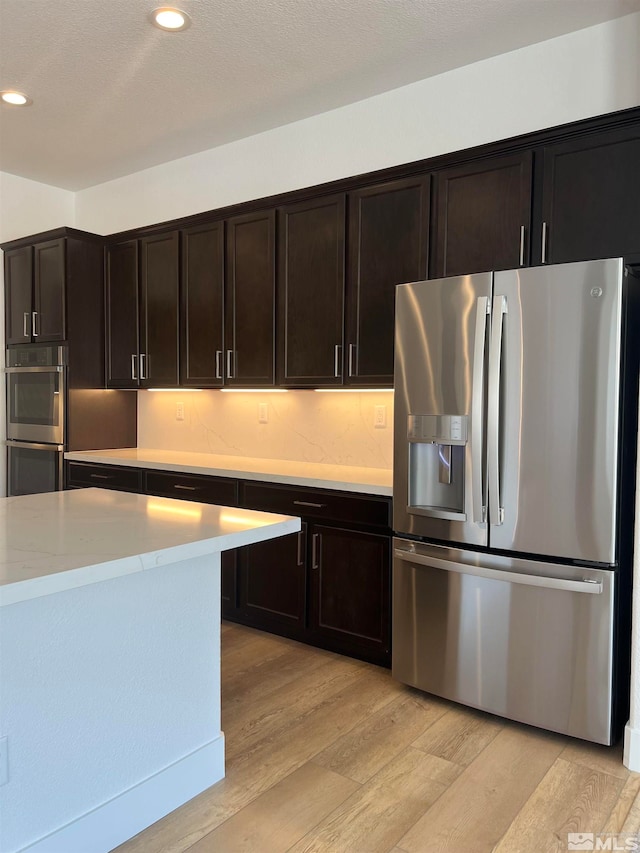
[202, 305]
[273, 584]
[250, 300]
[350, 591]
[311, 292]
[483, 215]
[18, 279]
[49, 291]
[591, 198]
[122, 315]
[388, 239]
[159, 330]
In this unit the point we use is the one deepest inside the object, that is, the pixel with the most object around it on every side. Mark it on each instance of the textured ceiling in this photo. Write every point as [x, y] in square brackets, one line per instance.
[113, 94]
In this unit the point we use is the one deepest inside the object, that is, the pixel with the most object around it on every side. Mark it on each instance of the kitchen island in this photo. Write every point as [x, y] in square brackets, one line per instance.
[110, 661]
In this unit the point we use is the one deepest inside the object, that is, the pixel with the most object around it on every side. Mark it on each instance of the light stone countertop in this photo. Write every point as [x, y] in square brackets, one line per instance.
[61, 540]
[369, 481]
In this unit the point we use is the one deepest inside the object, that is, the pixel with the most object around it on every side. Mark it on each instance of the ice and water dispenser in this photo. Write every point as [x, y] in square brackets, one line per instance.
[436, 465]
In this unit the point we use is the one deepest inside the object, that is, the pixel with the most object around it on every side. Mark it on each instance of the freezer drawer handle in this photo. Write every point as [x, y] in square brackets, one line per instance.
[594, 587]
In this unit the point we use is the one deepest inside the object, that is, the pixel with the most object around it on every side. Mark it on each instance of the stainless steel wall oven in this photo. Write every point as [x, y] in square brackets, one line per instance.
[36, 403]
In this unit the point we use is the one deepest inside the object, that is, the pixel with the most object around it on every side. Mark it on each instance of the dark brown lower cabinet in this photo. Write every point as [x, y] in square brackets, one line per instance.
[329, 585]
[350, 592]
[273, 584]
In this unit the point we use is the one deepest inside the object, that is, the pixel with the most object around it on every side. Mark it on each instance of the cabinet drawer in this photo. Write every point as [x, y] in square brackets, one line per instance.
[317, 503]
[104, 476]
[192, 487]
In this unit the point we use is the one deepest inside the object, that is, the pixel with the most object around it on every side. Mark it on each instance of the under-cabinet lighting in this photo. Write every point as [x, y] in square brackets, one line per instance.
[254, 390]
[353, 390]
[170, 19]
[174, 390]
[16, 99]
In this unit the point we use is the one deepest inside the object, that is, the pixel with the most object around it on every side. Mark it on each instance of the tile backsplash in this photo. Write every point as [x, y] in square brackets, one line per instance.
[335, 428]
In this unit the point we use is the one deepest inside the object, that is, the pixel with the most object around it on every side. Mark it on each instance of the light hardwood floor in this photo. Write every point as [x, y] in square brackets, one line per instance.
[329, 754]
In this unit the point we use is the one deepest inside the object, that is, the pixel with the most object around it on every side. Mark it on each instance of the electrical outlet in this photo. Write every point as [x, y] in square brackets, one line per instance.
[263, 413]
[4, 760]
[179, 411]
[380, 417]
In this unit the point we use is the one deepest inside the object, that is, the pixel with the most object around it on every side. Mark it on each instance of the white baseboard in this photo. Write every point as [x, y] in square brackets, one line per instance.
[119, 819]
[631, 755]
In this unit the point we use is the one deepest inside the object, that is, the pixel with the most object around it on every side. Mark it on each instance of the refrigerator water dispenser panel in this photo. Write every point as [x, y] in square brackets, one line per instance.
[436, 465]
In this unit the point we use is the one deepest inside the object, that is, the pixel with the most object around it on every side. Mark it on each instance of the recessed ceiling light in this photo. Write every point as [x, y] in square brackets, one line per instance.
[170, 19]
[16, 99]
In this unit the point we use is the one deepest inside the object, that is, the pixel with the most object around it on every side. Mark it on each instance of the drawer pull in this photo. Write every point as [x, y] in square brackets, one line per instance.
[187, 488]
[309, 503]
[101, 476]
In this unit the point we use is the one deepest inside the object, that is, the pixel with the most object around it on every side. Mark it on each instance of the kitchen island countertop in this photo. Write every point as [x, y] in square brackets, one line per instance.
[61, 540]
[370, 481]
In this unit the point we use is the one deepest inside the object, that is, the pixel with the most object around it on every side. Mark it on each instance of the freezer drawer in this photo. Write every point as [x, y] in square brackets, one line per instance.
[525, 640]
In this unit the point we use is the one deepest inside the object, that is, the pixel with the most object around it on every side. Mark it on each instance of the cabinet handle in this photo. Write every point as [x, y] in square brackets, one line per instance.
[143, 366]
[316, 546]
[25, 325]
[186, 488]
[102, 476]
[230, 364]
[34, 322]
[352, 353]
[544, 242]
[300, 558]
[309, 503]
[522, 235]
[336, 360]
[218, 364]
[134, 358]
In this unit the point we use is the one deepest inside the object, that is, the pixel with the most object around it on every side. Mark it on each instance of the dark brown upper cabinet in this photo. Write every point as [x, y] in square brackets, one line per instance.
[590, 198]
[35, 293]
[122, 323]
[202, 345]
[388, 245]
[311, 278]
[142, 312]
[250, 297]
[483, 215]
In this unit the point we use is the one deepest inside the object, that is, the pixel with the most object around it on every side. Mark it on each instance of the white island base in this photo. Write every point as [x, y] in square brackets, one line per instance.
[110, 662]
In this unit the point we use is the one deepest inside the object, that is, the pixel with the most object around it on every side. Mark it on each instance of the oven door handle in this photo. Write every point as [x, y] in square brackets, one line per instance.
[54, 368]
[33, 445]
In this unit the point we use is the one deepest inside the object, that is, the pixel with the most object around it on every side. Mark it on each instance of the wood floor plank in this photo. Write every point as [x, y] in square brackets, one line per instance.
[460, 735]
[473, 814]
[606, 759]
[360, 753]
[622, 807]
[277, 819]
[631, 823]
[571, 798]
[267, 716]
[376, 816]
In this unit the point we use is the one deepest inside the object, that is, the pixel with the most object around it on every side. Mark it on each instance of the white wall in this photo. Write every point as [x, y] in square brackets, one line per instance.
[583, 74]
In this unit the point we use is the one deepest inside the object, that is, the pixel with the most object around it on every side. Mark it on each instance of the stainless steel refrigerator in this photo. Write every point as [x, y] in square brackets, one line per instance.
[514, 454]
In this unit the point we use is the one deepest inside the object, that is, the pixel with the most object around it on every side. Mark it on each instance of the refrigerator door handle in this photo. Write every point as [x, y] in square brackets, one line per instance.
[496, 511]
[483, 308]
[592, 587]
